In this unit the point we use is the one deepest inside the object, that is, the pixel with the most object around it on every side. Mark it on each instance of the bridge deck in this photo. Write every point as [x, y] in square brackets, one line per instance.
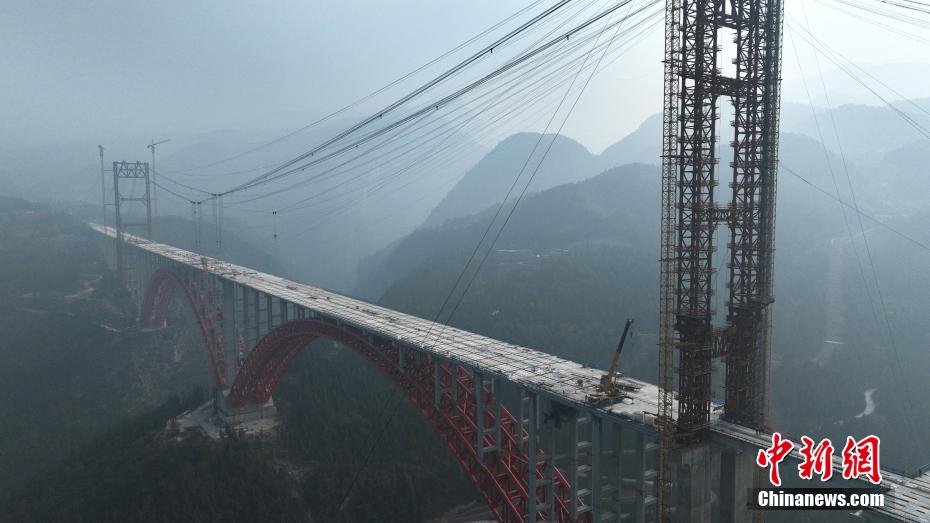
[908, 500]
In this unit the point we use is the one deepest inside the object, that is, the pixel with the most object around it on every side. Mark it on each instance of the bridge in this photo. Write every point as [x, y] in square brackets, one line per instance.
[533, 431]
[520, 422]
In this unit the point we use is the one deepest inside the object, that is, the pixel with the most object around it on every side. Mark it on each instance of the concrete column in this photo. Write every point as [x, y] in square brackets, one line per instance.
[479, 415]
[597, 459]
[692, 494]
[617, 445]
[437, 382]
[636, 451]
[283, 307]
[573, 455]
[269, 312]
[550, 474]
[128, 276]
[228, 289]
[256, 318]
[136, 267]
[522, 416]
[498, 414]
[736, 476]
[241, 324]
[247, 318]
[531, 443]
[143, 261]
[400, 358]
[454, 369]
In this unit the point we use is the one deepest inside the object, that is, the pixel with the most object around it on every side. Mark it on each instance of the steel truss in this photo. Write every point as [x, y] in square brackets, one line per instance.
[693, 85]
[752, 212]
[489, 442]
[128, 171]
[205, 301]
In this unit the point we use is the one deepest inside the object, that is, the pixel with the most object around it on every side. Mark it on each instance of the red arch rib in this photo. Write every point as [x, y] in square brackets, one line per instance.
[500, 476]
[154, 311]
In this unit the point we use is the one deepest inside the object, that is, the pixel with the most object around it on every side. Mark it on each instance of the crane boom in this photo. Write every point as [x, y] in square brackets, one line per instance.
[609, 390]
[615, 362]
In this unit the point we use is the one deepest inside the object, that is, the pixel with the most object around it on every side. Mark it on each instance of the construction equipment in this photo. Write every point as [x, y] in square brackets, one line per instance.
[609, 390]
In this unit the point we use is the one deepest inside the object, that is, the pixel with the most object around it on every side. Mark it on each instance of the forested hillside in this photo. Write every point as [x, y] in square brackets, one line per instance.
[574, 262]
[88, 396]
[577, 260]
[140, 472]
[71, 363]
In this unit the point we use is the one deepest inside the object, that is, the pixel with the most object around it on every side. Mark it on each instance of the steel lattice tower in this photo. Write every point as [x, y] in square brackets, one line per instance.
[691, 216]
[130, 171]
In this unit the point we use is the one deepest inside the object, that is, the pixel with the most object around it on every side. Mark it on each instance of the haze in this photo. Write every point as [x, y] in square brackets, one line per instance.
[97, 70]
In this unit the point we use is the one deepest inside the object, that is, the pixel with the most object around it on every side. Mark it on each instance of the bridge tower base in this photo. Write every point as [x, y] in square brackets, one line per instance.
[694, 473]
[250, 412]
[737, 473]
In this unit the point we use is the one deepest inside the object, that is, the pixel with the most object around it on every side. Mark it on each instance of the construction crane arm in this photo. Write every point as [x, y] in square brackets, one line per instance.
[615, 361]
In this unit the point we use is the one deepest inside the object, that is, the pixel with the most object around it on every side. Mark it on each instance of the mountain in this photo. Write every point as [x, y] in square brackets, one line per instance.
[72, 365]
[594, 234]
[146, 469]
[141, 471]
[402, 256]
[566, 162]
[577, 259]
[318, 224]
[491, 178]
[644, 145]
[90, 399]
[910, 164]
[324, 240]
[878, 167]
[910, 80]
[321, 239]
[865, 131]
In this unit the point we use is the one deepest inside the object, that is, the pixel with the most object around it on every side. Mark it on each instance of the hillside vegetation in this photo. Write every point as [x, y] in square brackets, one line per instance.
[576, 260]
[88, 396]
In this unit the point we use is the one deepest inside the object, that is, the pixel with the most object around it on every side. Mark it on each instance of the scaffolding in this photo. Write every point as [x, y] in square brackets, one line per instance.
[691, 217]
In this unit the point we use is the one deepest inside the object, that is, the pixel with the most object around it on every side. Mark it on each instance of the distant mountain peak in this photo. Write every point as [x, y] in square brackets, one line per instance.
[564, 160]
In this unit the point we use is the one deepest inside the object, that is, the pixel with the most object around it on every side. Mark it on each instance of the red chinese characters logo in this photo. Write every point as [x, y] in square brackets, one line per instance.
[817, 459]
[860, 458]
[774, 455]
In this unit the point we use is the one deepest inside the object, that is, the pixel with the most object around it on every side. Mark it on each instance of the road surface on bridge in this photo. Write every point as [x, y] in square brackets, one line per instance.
[907, 500]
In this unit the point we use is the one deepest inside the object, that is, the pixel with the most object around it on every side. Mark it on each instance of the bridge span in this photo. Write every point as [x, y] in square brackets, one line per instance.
[517, 420]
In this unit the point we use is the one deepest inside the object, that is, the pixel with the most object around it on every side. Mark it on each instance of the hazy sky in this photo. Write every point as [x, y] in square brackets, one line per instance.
[103, 68]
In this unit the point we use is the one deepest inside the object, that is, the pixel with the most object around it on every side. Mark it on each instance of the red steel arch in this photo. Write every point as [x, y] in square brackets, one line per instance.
[501, 477]
[154, 312]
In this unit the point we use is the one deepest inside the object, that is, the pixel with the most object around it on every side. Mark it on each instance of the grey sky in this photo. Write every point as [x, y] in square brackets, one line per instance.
[99, 68]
